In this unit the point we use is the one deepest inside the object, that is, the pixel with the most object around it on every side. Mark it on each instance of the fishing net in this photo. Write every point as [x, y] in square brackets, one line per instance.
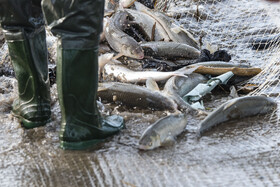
[235, 26]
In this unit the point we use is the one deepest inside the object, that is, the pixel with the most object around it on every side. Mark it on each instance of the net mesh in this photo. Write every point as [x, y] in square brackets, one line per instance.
[234, 25]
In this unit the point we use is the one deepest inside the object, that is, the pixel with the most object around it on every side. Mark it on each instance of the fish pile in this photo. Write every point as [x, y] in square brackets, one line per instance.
[135, 37]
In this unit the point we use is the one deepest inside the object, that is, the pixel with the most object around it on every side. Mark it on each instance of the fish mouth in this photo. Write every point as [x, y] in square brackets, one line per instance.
[141, 56]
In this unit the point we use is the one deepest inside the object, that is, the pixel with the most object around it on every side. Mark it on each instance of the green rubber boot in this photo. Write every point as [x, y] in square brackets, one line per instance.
[28, 53]
[77, 81]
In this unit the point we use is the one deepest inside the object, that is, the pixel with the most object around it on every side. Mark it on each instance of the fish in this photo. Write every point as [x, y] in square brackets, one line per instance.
[166, 23]
[265, 43]
[119, 40]
[134, 96]
[236, 109]
[126, 3]
[110, 7]
[219, 64]
[104, 59]
[170, 50]
[163, 131]
[123, 74]
[185, 36]
[176, 87]
[148, 24]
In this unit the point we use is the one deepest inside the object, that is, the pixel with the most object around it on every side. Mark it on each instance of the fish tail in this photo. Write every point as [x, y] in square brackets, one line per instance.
[185, 71]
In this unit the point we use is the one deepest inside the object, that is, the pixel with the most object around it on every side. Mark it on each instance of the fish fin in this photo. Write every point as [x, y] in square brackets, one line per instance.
[170, 140]
[233, 92]
[151, 84]
[104, 59]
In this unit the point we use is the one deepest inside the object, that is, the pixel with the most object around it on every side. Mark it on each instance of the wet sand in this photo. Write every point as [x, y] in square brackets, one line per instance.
[239, 153]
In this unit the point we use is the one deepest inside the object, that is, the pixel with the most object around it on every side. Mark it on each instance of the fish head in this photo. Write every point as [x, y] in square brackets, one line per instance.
[133, 51]
[149, 140]
[270, 105]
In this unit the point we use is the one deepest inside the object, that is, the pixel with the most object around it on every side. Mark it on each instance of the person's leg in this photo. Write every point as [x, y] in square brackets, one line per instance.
[77, 24]
[23, 27]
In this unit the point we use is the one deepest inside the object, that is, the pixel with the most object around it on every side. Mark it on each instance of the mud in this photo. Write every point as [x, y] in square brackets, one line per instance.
[238, 153]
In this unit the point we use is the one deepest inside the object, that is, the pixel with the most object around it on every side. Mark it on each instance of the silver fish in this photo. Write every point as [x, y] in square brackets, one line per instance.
[163, 132]
[123, 74]
[119, 40]
[170, 50]
[166, 23]
[177, 86]
[219, 64]
[148, 23]
[104, 59]
[237, 108]
[135, 96]
[126, 3]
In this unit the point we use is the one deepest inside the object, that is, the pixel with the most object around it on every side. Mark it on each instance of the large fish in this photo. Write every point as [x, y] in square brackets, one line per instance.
[123, 74]
[166, 23]
[170, 50]
[135, 96]
[119, 40]
[154, 31]
[237, 108]
[265, 43]
[178, 86]
[219, 64]
[163, 132]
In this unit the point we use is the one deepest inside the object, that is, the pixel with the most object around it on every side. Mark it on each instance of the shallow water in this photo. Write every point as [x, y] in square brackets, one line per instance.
[238, 153]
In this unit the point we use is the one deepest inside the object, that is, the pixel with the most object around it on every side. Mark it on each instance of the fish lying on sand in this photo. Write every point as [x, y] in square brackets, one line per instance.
[123, 74]
[170, 50]
[135, 96]
[237, 108]
[119, 40]
[163, 132]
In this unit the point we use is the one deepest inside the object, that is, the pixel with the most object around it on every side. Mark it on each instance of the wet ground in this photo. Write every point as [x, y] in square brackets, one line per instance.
[239, 153]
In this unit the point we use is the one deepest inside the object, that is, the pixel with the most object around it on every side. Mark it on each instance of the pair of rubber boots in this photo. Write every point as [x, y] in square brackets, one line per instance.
[77, 81]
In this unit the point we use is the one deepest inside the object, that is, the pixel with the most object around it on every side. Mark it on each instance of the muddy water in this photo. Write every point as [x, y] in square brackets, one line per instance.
[238, 153]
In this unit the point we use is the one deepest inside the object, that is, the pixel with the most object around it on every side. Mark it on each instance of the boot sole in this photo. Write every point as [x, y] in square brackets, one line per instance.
[80, 145]
[27, 124]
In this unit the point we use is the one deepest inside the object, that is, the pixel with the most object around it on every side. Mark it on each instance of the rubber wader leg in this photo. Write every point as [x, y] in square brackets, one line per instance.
[23, 26]
[28, 53]
[77, 82]
[78, 30]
